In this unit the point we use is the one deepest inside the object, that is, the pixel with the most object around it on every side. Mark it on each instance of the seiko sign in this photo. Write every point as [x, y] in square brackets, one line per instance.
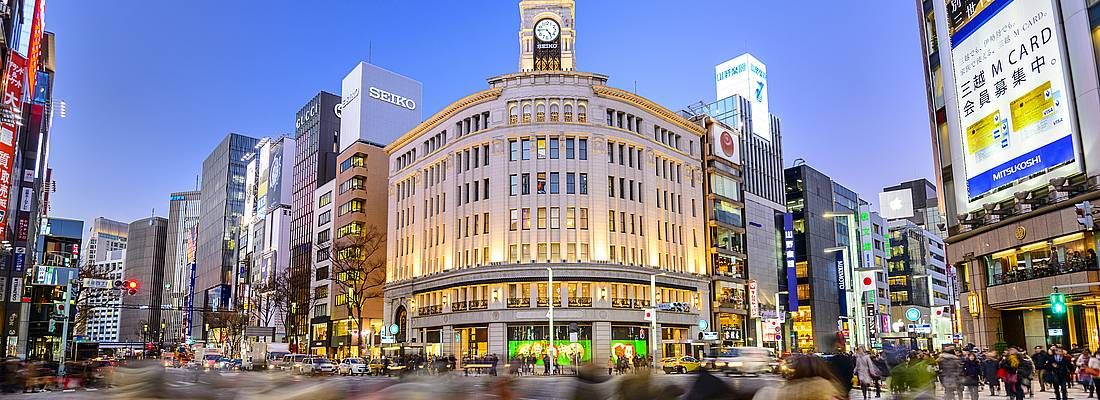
[403, 102]
[346, 100]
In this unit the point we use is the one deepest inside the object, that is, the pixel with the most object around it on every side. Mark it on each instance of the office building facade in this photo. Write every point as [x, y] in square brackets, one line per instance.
[58, 245]
[320, 295]
[1013, 233]
[264, 241]
[105, 235]
[317, 133]
[221, 209]
[102, 321]
[179, 254]
[142, 320]
[548, 172]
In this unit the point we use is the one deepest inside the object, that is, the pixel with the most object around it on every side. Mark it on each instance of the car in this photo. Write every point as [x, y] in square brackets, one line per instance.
[316, 365]
[210, 361]
[681, 364]
[291, 362]
[352, 366]
[741, 360]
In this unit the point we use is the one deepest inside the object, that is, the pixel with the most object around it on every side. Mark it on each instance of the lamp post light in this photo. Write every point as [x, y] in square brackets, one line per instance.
[550, 314]
[653, 322]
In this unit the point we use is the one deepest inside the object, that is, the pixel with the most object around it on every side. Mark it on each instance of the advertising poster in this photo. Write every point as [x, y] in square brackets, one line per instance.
[12, 108]
[275, 173]
[22, 228]
[724, 144]
[747, 77]
[788, 251]
[1011, 93]
[841, 282]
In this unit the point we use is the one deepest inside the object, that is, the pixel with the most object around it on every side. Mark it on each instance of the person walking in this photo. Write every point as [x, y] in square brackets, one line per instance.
[1011, 366]
[1039, 358]
[1093, 369]
[989, 372]
[971, 375]
[865, 370]
[1057, 372]
[1082, 375]
[1025, 373]
[950, 371]
[883, 372]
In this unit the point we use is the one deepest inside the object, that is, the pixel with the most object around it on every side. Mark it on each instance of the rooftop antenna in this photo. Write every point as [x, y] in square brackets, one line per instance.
[635, 86]
[370, 51]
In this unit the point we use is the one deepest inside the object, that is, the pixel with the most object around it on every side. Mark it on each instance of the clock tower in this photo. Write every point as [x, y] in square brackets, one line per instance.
[546, 35]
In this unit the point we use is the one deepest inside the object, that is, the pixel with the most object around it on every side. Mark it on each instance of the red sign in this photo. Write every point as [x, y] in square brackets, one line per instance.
[727, 144]
[11, 105]
[34, 50]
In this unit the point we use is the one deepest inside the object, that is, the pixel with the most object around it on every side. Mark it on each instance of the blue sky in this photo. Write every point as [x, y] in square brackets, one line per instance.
[151, 86]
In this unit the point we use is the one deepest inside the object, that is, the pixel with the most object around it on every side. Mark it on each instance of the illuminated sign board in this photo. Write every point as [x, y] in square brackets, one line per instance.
[788, 251]
[11, 105]
[723, 143]
[1012, 96]
[747, 77]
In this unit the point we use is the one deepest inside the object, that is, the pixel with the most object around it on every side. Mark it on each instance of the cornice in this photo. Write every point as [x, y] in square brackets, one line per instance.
[442, 115]
[642, 102]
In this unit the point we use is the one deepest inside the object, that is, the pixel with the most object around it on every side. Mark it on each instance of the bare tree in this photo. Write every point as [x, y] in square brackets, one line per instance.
[286, 305]
[359, 270]
[83, 297]
[231, 323]
[262, 303]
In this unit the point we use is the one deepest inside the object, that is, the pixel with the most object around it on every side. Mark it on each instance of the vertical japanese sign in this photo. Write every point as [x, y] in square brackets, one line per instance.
[11, 105]
[788, 251]
[754, 299]
[1011, 93]
[35, 49]
[842, 282]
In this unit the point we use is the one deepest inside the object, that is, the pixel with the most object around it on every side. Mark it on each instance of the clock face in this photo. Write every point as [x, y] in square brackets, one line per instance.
[547, 30]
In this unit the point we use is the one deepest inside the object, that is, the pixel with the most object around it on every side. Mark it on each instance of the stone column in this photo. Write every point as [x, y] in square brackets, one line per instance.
[448, 333]
[601, 343]
[498, 340]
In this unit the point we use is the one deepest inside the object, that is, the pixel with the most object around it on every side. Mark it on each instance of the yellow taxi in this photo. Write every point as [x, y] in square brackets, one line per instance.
[681, 364]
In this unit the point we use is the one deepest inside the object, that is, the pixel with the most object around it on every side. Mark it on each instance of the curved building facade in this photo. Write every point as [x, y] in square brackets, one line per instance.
[547, 171]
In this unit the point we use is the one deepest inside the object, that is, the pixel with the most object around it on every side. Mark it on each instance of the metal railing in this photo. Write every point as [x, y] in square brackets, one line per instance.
[545, 302]
[1045, 269]
[580, 301]
[458, 306]
[519, 302]
[479, 304]
[431, 310]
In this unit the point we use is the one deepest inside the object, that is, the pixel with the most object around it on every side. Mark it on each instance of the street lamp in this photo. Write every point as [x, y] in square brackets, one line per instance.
[550, 314]
[653, 322]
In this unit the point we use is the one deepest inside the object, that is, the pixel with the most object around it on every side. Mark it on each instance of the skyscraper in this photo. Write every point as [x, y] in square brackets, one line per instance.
[102, 320]
[221, 208]
[145, 264]
[179, 263]
[317, 133]
[265, 234]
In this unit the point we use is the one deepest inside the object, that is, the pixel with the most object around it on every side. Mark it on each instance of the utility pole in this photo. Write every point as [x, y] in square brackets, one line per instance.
[65, 321]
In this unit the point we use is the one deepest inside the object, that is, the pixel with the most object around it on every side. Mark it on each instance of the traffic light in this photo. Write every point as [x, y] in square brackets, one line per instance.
[1084, 214]
[1057, 303]
[131, 287]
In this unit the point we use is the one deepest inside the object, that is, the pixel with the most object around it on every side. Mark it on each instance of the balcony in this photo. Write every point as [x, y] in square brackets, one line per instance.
[458, 306]
[519, 302]
[582, 301]
[1043, 270]
[545, 302]
[431, 310]
[478, 304]
[732, 304]
[729, 218]
[629, 303]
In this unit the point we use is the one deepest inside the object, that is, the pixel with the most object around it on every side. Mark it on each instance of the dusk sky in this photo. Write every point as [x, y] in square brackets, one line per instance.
[152, 86]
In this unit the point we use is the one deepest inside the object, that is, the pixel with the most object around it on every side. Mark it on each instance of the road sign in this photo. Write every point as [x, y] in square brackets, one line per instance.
[93, 283]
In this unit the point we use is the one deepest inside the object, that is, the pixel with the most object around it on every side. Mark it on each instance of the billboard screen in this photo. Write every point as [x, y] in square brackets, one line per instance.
[747, 77]
[1011, 95]
[275, 175]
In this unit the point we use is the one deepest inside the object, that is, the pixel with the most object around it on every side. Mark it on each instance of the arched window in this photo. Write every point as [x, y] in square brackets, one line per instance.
[512, 117]
[568, 113]
[540, 113]
[554, 112]
[527, 114]
[582, 113]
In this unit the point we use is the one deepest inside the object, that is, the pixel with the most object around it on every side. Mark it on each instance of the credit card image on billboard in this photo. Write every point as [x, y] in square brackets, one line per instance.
[983, 134]
[1032, 107]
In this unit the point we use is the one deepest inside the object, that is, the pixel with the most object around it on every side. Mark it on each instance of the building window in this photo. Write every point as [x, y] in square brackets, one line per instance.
[354, 205]
[324, 218]
[325, 199]
[525, 216]
[525, 183]
[525, 149]
[554, 183]
[554, 149]
[513, 185]
[569, 144]
[324, 236]
[583, 186]
[540, 148]
[356, 160]
[583, 220]
[353, 228]
[570, 183]
[513, 150]
[555, 218]
[540, 183]
[513, 219]
[355, 183]
[582, 149]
